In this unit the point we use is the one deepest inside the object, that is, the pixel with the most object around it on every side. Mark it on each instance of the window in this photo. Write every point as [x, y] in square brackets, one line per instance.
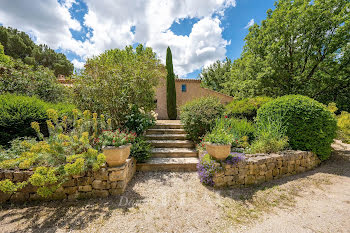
[183, 88]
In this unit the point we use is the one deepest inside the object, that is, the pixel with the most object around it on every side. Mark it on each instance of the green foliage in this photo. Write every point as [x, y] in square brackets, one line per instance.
[344, 126]
[170, 87]
[246, 108]
[118, 79]
[3, 58]
[141, 149]
[7, 186]
[66, 152]
[309, 125]
[17, 113]
[303, 47]
[19, 78]
[18, 45]
[270, 136]
[199, 116]
[139, 121]
[17, 147]
[215, 75]
[218, 136]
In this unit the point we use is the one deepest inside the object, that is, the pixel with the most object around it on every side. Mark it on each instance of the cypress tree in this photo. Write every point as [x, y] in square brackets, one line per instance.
[170, 87]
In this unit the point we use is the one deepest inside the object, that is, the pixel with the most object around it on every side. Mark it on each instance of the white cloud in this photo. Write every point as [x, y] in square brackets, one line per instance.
[250, 23]
[111, 22]
[77, 64]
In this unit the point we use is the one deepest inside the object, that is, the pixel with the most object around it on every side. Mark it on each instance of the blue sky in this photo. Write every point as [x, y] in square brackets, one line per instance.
[198, 32]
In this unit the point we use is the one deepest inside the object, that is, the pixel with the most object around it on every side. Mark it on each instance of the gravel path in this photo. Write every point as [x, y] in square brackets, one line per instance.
[316, 201]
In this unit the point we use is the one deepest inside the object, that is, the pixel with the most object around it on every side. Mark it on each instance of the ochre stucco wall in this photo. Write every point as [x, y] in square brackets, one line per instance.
[193, 91]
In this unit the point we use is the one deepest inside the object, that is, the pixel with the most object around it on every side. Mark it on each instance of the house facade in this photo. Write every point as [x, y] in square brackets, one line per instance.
[186, 90]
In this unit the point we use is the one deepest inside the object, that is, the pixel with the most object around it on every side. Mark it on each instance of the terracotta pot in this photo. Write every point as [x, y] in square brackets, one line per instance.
[219, 152]
[116, 156]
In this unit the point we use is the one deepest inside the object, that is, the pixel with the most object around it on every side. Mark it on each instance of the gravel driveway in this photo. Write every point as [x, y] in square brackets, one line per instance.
[316, 201]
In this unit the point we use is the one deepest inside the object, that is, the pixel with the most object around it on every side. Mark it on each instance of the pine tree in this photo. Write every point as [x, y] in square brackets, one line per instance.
[170, 87]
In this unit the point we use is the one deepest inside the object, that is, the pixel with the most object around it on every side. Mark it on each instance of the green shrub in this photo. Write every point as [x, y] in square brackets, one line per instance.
[309, 125]
[21, 79]
[199, 116]
[344, 126]
[270, 136]
[240, 131]
[246, 108]
[138, 121]
[17, 113]
[141, 149]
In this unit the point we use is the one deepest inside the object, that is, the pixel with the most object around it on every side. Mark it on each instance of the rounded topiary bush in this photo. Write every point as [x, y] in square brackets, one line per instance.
[18, 112]
[199, 116]
[309, 125]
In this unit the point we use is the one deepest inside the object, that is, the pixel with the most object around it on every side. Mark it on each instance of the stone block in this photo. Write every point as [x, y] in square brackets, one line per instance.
[84, 195]
[275, 172]
[99, 184]
[117, 175]
[29, 188]
[268, 175]
[4, 197]
[72, 197]
[218, 181]
[271, 166]
[100, 193]
[232, 171]
[291, 168]
[283, 170]
[116, 191]
[262, 167]
[70, 190]
[243, 171]
[279, 163]
[227, 179]
[249, 180]
[101, 174]
[58, 196]
[84, 180]
[85, 188]
[36, 197]
[69, 183]
[303, 162]
[8, 175]
[118, 184]
[260, 179]
[17, 176]
[19, 197]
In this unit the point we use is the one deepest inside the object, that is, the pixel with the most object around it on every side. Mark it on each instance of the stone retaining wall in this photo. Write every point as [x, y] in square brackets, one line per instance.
[108, 181]
[258, 168]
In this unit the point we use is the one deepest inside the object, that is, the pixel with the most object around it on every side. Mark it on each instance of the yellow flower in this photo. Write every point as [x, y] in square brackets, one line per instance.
[94, 115]
[35, 125]
[87, 114]
[52, 114]
[50, 125]
[75, 113]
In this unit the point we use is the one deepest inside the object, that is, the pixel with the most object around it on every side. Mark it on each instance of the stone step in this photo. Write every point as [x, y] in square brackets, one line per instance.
[168, 126]
[174, 153]
[168, 164]
[165, 131]
[166, 136]
[171, 143]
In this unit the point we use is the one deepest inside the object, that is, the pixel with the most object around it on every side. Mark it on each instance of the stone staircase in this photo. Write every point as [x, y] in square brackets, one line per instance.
[171, 150]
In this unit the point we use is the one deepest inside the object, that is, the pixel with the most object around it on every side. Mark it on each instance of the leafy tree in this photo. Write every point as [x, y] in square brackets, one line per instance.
[19, 78]
[303, 47]
[3, 57]
[18, 45]
[215, 75]
[117, 80]
[170, 87]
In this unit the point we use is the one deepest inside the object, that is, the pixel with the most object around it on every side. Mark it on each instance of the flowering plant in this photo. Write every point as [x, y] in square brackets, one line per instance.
[115, 138]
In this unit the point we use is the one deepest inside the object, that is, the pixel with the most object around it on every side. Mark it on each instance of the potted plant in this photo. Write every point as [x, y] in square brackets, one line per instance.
[218, 144]
[116, 146]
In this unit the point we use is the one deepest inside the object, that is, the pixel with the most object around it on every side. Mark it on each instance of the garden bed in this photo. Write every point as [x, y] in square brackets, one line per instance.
[107, 181]
[259, 168]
